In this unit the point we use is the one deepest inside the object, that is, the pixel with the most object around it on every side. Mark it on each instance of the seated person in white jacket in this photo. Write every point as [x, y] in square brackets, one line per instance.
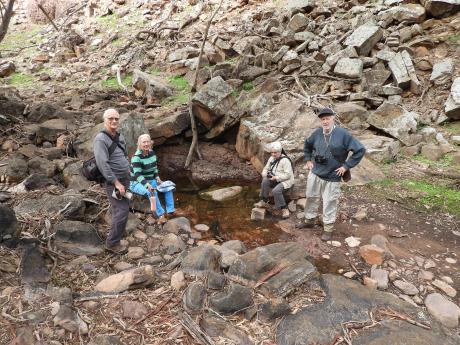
[277, 176]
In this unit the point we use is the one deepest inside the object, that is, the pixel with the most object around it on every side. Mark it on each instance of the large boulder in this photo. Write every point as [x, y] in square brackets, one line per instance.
[348, 300]
[452, 106]
[442, 72]
[50, 130]
[364, 38]
[289, 258]
[407, 13]
[164, 127]
[222, 194]
[403, 72]
[232, 300]
[45, 111]
[71, 206]
[11, 105]
[201, 260]
[17, 169]
[441, 8]
[394, 120]
[152, 88]
[213, 101]
[73, 178]
[78, 238]
[349, 68]
[7, 68]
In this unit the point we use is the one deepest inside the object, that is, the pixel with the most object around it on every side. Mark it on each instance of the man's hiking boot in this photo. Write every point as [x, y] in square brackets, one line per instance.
[261, 204]
[326, 236]
[285, 213]
[306, 223]
[116, 249]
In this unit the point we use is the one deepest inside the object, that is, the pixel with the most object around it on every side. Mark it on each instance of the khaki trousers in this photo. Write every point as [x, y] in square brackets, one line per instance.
[318, 188]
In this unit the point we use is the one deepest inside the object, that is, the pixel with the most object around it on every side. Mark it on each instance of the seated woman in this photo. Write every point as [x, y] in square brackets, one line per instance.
[145, 179]
[277, 176]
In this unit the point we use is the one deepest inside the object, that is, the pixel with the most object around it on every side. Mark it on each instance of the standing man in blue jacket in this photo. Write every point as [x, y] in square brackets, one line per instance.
[115, 169]
[326, 154]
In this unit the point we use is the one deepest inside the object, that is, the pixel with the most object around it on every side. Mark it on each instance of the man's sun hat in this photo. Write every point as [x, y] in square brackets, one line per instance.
[326, 112]
[166, 186]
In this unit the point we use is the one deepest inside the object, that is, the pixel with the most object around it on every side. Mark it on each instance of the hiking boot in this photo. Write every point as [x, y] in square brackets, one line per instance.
[326, 236]
[261, 204]
[285, 213]
[116, 249]
[306, 223]
[162, 219]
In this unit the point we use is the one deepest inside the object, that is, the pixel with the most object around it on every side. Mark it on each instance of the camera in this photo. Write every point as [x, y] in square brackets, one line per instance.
[320, 159]
[269, 174]
[117, 195]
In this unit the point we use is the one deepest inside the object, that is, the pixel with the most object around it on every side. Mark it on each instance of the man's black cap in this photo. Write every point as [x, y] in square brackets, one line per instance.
[326, 112]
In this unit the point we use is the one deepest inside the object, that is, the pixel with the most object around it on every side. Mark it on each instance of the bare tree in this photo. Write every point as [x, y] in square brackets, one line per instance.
[6, 12]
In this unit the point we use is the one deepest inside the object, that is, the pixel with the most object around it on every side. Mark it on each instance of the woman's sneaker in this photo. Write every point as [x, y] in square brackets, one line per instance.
[261, 204]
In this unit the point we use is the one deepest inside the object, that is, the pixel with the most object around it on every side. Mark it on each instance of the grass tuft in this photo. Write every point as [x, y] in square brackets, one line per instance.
[112, 83]
[21, 79]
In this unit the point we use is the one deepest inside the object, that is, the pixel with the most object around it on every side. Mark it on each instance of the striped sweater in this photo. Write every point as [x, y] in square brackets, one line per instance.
[143, 167]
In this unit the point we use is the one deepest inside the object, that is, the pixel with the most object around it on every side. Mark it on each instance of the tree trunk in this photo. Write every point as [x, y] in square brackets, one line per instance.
[6, 14]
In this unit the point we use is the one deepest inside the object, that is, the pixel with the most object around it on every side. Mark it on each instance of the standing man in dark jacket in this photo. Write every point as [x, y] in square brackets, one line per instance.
[326, 154]
[115, 169]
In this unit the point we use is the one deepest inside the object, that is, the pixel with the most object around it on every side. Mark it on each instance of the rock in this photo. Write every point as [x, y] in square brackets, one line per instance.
[256, 263]
[16, 169]
[361, 214]
[432, 151]
[349, 275]
[178, 280]
[216, 280]
[173, 244]
[105, 340]
[42, 166]
[441, 8]
[201, 227]
[201, 259]
[349, 52]
[139, 235]
[442, 72]
[443, 310]
[34, 267]
[73, 178]
[161, 128]
[394, 120]
[446, 288]
[134, 310]
[381, 277]
[429, 263]
[178, 225]
[131, 279]
[68, 319]
[258, 213]
[7, 68]
[45, 111]
[50, 130]
[406, 287]
[297, 23]
[349, 68]
[151, 88]
[213, 101]
[348, 111]
[447, 279]
[370, 282]
[194, 297]
[302, 5]
[217, 327]
[228, 256]
[183, 54]
[52, 204]
[78, 238]
[222, 193]
[273, 309]
[452, 106]
[135, 253]
[353, 241]
[403, 72]
[372, 254]
[407, 13]
[425, 275]
[122, 266]
[364, 38]
[235, 245]
[9, 230]
[24, 335]
[280, 53]
[348, 300]
[234, 299]
[381, 242]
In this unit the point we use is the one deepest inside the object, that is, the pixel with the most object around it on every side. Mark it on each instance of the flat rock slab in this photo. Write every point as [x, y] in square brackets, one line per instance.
[34, 269]
[131, 279]
[364, 38]
[78, 238]
[72, 206]
[289, 258]
[222, 193]
[348, 300]
[201, 259]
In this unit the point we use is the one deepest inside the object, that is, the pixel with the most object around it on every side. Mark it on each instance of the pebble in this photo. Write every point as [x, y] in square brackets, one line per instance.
[122, 265]
[135, 252]
[447, 279]
[370, 283]
[140, 235]
[406, 287]
[178, 280]
[451, 260]
[429, 264]
[425, 275]
[353, 241]
[349, 275]
[442, 309]
[446, 288]
[407, 299]
[325, 256]
[201, 227]
[334, 243]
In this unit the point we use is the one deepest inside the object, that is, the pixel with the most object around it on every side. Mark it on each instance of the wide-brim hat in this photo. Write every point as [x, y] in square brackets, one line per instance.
[166, 186]
[326, 112]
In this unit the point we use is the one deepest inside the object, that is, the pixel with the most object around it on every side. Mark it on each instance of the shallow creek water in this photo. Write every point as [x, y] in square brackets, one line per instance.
[230, 219]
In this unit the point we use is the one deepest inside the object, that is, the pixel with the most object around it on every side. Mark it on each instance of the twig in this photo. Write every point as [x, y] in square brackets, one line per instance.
[395, 314]
[195, 330]
[275, 270]
[194, 16]
[194, 145]
[47, 16]
[154, 311]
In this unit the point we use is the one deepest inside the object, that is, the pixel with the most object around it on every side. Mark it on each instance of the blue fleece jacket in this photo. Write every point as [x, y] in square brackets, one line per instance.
[335, 148]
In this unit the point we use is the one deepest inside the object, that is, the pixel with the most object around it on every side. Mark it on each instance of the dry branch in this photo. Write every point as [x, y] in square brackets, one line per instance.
[47, 16]
[195, 330]
[6, 14]
[194, 145]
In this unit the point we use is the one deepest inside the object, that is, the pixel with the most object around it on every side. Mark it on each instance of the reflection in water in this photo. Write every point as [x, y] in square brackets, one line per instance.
[230, 219]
